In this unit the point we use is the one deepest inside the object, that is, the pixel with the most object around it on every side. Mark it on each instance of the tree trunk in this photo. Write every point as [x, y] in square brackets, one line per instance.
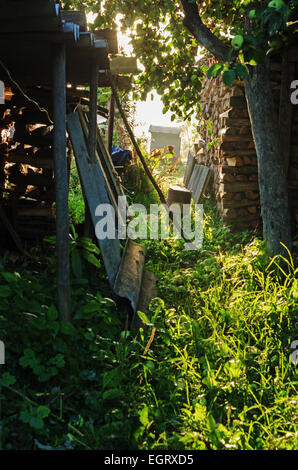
[272, 173]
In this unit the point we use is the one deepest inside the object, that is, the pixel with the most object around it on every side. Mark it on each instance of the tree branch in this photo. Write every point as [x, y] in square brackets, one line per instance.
[204, 36]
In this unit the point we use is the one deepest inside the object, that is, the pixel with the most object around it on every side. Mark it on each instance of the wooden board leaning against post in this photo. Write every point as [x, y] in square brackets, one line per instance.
[96, 191]
[104, 161]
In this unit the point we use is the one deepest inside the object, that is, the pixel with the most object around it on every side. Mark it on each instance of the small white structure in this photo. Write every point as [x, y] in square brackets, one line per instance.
[162, 136]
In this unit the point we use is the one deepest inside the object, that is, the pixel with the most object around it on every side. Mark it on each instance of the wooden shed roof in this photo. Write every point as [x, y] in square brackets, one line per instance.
[28, 31]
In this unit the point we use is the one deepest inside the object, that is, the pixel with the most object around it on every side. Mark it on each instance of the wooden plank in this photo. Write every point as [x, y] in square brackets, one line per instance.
[201, 183]
[286, 107]
[122, 65]
[238, 187]
[96, 192]
[93, 110]
[30, 24]
[196, 182]
[189, 168]
[100, 162]
[129, 278]
[61, 180]
[77, 17]
[193, 178]
[111, 123]
[110, 35]
[17, 9]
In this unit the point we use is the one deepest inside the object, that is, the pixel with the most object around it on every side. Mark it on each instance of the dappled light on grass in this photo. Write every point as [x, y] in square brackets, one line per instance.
[212, 370]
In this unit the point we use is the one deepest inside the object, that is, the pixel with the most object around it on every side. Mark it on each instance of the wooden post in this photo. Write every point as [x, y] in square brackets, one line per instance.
[61, 180]
[92, 139]
[111, 123]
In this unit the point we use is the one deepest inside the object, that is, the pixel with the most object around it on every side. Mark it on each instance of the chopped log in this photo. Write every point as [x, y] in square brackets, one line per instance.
[178, 194]
[30, 180]
[234, 161]
[252, 195]
[48, 212]
[35, 162]
[239, 187]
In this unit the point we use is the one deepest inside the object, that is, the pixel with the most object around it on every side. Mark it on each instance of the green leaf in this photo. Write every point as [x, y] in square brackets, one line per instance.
[143, 317]
[52, 313]
[91, 259]
[43, 411]
[276, 4]
[25, 416]
[237, 42]
[215, 70]
[112, 394]
[5, 291]
[241, 70]
[7, 379]
[144, 416]
[229, 77]
[67, 328]
[11, 277]
[36, 422]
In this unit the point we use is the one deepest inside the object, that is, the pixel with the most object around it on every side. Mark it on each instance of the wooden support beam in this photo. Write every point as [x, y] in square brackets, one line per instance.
[111, 123]
[92, 138]
[61, 180]
[93, 110]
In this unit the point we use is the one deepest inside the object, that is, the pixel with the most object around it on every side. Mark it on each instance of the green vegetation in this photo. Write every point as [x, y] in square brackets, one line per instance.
[75, 197]
[212, 369]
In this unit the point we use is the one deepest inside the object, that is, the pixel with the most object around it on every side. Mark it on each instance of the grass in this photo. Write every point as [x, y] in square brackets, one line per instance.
[211, 370]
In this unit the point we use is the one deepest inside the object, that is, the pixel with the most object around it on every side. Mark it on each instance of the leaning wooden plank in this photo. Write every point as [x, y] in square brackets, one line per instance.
[189, 169]
[103, 170]
[196, 179]
[129, 278]
[198, 183]
[96, 193]
[193, 178]
[201, 183]
[105, 159]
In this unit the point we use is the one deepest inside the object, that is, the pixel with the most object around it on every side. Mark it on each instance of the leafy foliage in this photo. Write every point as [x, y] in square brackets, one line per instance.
[168, 52]
[211, 371]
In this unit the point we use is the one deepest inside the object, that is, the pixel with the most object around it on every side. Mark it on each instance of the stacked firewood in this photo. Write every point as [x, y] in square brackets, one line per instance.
[26, 168]
[230, 151]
